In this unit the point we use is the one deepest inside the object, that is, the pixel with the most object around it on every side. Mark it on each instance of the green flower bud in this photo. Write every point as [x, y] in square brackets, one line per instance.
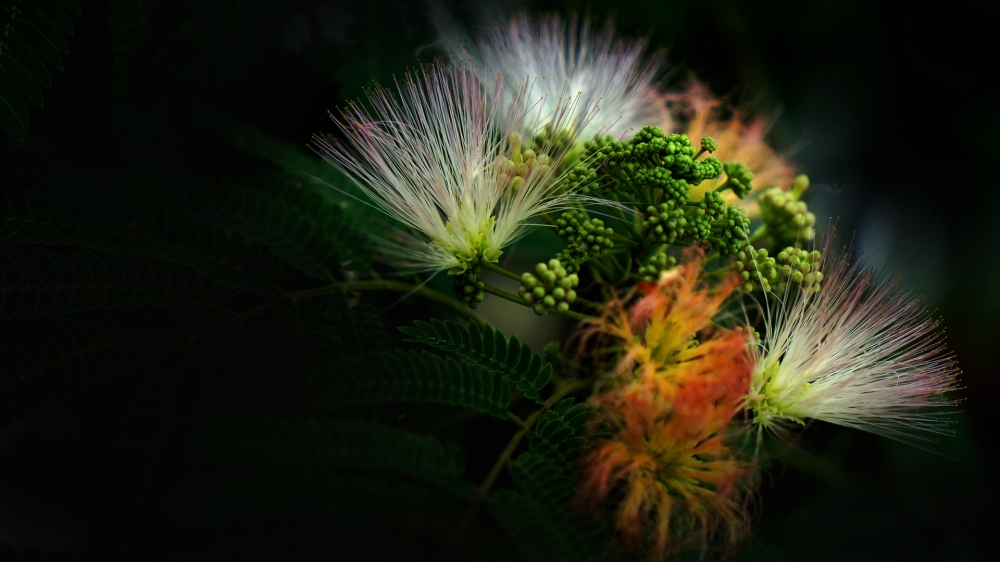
[554, 289]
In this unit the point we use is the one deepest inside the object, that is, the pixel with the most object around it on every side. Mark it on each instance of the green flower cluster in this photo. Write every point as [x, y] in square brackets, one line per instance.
[469, 287]
[655, 160]
[729, 232]
[552, 289]
[585, 236]
[519, 163]
[757, 270]
[657, 264]
[792, 265]
[670, 223]
[583, 179]
[708, 220]
[799, 267]
[738, 178]
[786, 218]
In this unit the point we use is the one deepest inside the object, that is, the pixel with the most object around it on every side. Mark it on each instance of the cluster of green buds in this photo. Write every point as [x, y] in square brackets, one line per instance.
[518, 164]
[712, 205]
[708, 220]
[792, 265]
[738, 178]
[657, 160]
[553, 289]
[554, 141]
[585, 236]
[757, 270]
[799, 267]
[669, 223]
[786, 218]
[583, 179]
[729, 232]
[570, 260]
[469, 287]
[657, 264]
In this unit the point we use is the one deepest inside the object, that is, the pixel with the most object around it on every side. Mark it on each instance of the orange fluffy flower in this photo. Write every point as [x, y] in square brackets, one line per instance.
[668, 406]
[657, 330]
[740, 140]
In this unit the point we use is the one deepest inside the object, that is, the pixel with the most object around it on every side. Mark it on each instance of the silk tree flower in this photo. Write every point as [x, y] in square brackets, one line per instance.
[739, 140]
[444, 156]
[861, 352]
[572, 56]
[669, 405]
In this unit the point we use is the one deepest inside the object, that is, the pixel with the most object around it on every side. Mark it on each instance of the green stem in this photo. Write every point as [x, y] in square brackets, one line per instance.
[505, 295]
[586, 302]
[627, 241]
[518, 300]
[601, 268]
[516, 420]
[504, 458]
[497, 269]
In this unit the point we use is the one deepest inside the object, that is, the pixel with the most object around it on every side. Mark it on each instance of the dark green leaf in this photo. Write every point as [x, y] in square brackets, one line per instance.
[17, 75]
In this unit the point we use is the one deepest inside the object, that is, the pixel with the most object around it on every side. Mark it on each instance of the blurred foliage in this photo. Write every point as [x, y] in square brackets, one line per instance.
[166, 394]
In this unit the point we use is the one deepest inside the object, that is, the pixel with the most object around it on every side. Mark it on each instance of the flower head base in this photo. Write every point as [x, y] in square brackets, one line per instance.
[669, 407]
[444, 157]
[738, 141]
[573, 56]
[861, 352]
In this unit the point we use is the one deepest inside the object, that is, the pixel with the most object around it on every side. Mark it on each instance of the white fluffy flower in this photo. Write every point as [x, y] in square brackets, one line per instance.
[862, 353]
[443, 155]
[570, 56]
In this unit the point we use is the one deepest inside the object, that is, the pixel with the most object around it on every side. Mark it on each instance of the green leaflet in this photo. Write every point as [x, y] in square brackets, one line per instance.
[38, 217]
[560, 434]
[410, 377]
[336, 444]
[67, 355]
[31, 31]
[488, 348]
[303, 341]
[358, 327]
[48, 284]
[134, 209]
[545, 520]
[308, 233]
[282, 365]
[542, 535]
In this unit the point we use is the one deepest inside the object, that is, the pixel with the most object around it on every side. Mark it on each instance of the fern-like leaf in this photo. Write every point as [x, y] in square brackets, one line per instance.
[31, 31]
[237, 373]
[68, 355]
[48, 284]
[46, 218]
[488, 348]
[410, 377]
[303, 341]
[545, 520]
[337, 444]
[358, 327]
[541, 535]
[560, 433]
[312, 239]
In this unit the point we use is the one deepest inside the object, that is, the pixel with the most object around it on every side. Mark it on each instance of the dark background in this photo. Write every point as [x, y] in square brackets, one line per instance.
[886, 106]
